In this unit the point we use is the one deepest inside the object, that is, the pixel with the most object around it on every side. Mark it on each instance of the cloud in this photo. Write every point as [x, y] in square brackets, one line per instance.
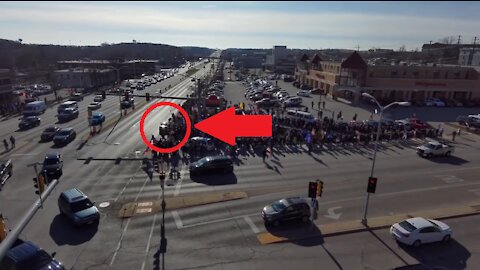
[231, 26]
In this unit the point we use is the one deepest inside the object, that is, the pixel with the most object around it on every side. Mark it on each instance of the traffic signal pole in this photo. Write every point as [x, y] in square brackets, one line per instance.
[12, 236]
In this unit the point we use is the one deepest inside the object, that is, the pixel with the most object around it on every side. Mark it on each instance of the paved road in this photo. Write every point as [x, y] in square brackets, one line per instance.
[223, 235]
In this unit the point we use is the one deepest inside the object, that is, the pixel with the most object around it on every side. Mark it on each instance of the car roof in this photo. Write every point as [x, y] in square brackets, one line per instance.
[73, 195]
[419, 222]
[66, 129]
[293, 200]
[52, 155]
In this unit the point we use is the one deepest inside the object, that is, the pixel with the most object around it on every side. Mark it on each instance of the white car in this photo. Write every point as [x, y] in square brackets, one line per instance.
[94, 105]
[418, 230]
[304, 93]
[98, 98]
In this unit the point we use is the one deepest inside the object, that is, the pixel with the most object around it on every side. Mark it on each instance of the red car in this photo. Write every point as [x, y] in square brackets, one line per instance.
[417, 123]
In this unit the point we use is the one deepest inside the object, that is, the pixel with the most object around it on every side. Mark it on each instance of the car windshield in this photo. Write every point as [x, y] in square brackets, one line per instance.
[50, 129]
[278, 206]
[64, 133]
[431, 146]
[81, 205]
[50, 161]
[407, 226]
[39, 261]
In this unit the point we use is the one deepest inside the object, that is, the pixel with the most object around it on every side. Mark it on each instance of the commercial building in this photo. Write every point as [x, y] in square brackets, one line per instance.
[84, 78]
[281, 61]
[387, 82]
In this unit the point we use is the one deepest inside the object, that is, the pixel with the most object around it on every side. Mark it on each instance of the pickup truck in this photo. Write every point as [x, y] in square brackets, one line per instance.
[26, 255]
[5, 171]
[434, 148]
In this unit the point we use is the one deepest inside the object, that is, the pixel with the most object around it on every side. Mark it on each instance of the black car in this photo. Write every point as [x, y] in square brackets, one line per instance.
[49, 133]
[64, 136]
[29, 122]
[294, 208]
[52, 166]
[212, 164]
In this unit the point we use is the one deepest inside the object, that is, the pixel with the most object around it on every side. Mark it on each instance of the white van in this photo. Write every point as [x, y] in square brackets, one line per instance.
[295, 114]
[34, 108]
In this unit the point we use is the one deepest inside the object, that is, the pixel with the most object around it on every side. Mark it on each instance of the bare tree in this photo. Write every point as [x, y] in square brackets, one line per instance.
[402, 48]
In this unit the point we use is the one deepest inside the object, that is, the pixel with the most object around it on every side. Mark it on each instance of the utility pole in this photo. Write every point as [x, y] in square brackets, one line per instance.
[459, 39]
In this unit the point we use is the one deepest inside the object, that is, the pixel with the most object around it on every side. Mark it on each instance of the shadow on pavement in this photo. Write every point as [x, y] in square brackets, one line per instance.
[453, 160]
[302, 234]
[63, 232]
[215, 179]
[452, 255]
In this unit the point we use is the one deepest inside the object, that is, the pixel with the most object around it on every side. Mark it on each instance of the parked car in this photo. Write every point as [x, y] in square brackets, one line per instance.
[292, 102]
[94, 105]
[304, 93]
[29, 122]
[97, 119]
[434, 102]
[6, 170]
[77, 207]
[52, 165]
[294, 208]
[49, 133]
[64, 136]
[212, 164]
[267, 102]
[418, 230]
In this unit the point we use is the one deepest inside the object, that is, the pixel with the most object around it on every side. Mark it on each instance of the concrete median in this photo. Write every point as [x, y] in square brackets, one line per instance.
[172, 203]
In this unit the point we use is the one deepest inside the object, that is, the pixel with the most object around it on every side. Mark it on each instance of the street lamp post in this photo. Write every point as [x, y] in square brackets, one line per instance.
[401, 103]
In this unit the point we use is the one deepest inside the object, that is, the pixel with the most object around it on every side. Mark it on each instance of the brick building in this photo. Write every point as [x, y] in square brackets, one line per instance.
[404, 81]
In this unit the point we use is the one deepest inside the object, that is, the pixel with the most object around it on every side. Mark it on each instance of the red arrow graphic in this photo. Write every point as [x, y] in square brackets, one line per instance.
[226, 126]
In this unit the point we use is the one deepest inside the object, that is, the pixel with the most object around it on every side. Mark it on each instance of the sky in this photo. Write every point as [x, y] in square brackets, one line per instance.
[251, 24]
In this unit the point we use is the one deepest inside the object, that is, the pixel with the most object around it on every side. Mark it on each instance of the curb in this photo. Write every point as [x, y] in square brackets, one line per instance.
[377, 223]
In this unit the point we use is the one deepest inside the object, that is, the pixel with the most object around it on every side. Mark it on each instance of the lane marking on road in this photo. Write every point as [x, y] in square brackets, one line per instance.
[179, 183]
[177, 219]
[147, 249]
[19, 155]
[251, 224]
[217, 221]
[126, 185]
[119, 243]
[128, 222]
[332, 214]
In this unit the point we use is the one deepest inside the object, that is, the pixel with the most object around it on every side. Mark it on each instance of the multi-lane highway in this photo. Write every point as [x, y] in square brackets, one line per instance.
[224, 235]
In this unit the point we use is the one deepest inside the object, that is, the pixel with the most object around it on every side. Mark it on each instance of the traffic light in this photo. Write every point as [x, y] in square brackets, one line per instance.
[319, 188]
[372, 185]
[39, 184]
[147, 96]
[312, 189]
